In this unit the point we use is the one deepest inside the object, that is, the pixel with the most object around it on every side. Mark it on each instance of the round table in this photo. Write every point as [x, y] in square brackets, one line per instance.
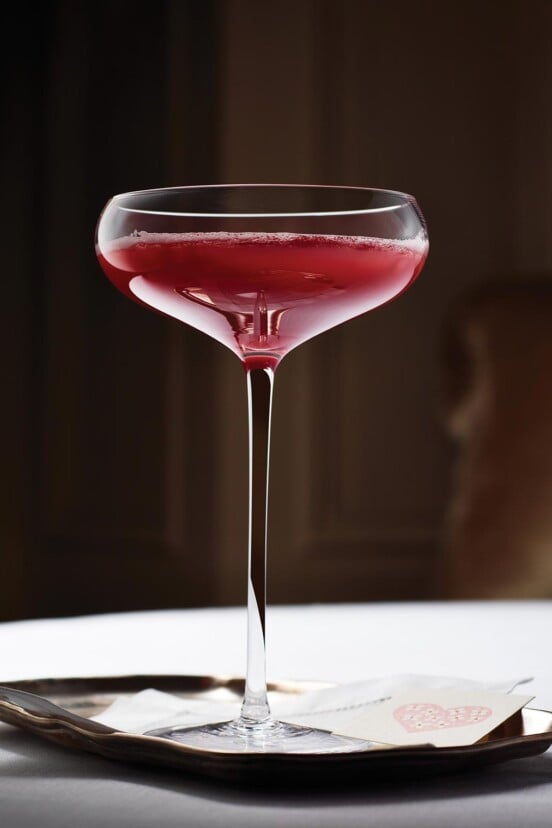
[41, 784]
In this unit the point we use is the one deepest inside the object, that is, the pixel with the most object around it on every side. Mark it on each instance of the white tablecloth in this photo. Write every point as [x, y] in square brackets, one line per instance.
[43, 785]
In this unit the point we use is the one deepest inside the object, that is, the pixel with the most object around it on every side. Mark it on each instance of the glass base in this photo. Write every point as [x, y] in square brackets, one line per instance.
[264, 737]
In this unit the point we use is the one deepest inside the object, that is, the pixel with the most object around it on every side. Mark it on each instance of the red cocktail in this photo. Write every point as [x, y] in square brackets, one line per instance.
[261, 269]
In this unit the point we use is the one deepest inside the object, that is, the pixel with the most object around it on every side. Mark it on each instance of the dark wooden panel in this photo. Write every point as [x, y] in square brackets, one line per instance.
[430, 98]
[21, 64]
[114, 492]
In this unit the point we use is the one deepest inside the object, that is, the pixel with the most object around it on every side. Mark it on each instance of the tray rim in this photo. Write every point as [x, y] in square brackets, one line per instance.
[58, 722]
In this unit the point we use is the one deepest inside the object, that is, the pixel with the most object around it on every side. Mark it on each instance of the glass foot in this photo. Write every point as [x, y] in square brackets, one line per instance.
[266, 737]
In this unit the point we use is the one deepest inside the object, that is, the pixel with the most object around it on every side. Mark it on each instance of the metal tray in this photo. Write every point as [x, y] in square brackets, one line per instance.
[57, 709]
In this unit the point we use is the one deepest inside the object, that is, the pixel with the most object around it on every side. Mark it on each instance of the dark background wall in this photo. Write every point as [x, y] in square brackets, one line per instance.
[123, 472]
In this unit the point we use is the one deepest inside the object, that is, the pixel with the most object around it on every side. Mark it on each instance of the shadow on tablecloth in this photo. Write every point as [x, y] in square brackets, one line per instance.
[23, 756]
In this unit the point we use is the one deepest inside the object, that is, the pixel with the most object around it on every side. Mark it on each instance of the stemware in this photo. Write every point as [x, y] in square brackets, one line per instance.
[261, 269]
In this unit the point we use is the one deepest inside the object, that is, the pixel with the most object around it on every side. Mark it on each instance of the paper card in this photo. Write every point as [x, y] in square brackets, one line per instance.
[444, 718]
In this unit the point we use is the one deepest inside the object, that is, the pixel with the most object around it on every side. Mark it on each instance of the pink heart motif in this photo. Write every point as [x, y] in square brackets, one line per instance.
[423, 716]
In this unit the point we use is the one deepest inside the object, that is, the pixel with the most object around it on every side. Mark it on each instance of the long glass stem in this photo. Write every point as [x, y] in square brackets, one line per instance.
[260, 381]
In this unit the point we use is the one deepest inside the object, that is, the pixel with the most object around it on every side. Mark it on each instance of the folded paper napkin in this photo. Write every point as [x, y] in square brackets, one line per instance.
[327, 709]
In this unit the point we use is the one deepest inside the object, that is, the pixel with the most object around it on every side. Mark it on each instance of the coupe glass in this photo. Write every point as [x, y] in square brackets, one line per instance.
[261, 269]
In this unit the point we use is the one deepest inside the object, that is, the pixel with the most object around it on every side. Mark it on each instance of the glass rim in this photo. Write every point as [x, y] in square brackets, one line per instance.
[403, 200]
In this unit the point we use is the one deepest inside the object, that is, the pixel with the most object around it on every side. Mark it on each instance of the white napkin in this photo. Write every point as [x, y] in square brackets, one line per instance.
[326, 709]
